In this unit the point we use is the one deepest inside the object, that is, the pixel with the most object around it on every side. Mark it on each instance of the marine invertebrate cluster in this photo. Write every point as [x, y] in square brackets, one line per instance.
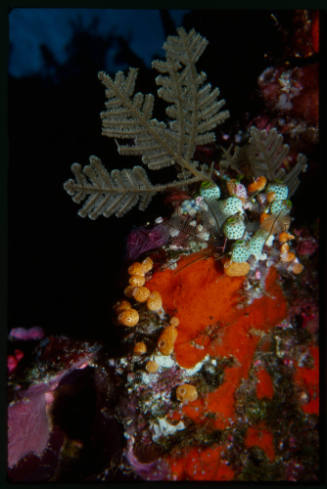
[125, 313]
[253, 211]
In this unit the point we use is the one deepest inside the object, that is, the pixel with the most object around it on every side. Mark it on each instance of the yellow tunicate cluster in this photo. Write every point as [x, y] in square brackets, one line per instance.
[128, 316]
[147, 264]
[136, 288]
[137, 273]
[139, 348]
[186, 393]
[287, 256]
[122, 306]
[136, 269]
[167, 340]
[136, 280]
[174, 321]
[236, 269]
[128, 291]
[141, 294]
[141, 268]
[151, 367]
[154, 301]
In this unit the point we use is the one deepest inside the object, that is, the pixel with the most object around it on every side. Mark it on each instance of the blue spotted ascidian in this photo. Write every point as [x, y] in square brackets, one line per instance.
[242, 250]
[232, 210]
[234, 227]
[230, 206]
[279, 203]
[256, 243]
[209, 191]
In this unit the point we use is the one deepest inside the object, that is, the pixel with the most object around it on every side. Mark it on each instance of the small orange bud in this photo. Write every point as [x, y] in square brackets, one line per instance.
[297, 268]
[136, 280]
[128, 291]
[139, 348]
[147, 264]
[186, 393]
[271, 197]
[174, 321]
[154, 302]
[141, 294]
[129, 317]
[235, 269]
[263, 217]
[284, 248]
[151, 367]
[258, 185]
[284, 236]
[287, 257]
[122, 306]
[167, 340]
[136, 269]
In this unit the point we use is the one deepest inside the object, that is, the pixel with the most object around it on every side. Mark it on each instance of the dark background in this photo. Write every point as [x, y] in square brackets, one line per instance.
[65, 271]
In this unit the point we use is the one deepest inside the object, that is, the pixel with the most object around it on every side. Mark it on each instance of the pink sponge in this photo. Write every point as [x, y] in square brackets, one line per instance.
[28, 425]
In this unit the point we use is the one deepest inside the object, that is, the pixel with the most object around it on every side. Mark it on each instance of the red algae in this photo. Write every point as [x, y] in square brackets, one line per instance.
[260, 437]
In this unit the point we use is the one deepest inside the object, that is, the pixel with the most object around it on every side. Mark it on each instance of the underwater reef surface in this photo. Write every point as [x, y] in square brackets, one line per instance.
[214, 374]
[217, 379]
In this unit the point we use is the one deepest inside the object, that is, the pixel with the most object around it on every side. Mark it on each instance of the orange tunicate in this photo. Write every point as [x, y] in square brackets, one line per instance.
[271, 197]
[167, 340]
[141, 294]
[297, 267]
[129, 317]
[128, 291]
[154, 302]
[139, 348]
[263, 216]
[284, 248]
[174, 321]
[122, 306]
[284, 236]
[151, 367]
[147, 264]
[136, 280]
[258, 184]
[186, 393]
[136, 269]
[287, 257]
[235, 269]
